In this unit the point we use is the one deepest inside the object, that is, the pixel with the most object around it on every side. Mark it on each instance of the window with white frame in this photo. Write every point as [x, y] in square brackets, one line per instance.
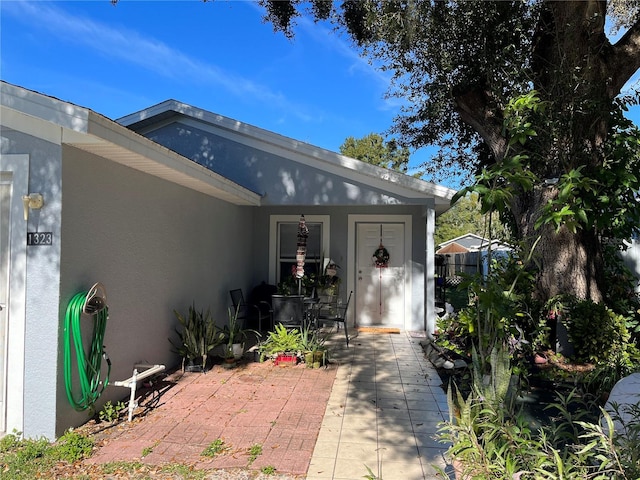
[283, 244]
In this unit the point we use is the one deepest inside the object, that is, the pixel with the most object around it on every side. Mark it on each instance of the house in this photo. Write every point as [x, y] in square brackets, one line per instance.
[467, 253]
[174, 206]
[470, 242]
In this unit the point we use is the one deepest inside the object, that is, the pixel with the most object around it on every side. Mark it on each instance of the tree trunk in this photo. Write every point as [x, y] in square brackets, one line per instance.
[577, 74]
[567, 263]
[571, 40]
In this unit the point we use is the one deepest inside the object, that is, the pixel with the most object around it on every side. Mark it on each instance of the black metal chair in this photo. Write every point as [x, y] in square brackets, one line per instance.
[288, 310]
[250, 313]
[336, 313]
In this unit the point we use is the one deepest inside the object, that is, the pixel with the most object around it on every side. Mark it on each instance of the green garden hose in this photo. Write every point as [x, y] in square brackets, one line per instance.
[88, 366]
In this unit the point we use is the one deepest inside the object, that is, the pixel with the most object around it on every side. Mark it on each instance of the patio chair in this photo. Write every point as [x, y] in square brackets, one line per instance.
[250, 313]
[289, 310]
[336, 313]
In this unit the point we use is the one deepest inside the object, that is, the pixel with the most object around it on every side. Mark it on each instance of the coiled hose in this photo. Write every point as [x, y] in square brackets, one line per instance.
[89, 367]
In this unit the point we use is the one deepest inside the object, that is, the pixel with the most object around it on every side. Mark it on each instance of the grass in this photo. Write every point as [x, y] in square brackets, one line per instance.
[268, 469]
[27, 458]
[254, 451]
[215, 448]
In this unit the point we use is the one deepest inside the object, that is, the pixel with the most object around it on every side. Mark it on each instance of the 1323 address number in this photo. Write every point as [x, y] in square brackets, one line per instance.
[39, 238]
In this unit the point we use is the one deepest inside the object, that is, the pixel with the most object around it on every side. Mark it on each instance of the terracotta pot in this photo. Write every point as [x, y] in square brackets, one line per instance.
[540, 359]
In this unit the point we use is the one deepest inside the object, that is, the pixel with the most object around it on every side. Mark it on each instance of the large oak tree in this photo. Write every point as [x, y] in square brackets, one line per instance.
[457, 64]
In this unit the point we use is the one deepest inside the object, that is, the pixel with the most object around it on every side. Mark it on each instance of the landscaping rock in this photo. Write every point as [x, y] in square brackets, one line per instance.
[624, 393]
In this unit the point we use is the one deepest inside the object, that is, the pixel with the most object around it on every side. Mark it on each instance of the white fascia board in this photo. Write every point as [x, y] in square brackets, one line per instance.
[45, 108]
[34, 126]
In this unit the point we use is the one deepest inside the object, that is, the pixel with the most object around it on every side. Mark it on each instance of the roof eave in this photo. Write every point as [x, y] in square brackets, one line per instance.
[60, 122]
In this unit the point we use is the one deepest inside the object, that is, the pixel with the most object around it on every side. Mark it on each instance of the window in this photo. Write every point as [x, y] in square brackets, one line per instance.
[283, 244]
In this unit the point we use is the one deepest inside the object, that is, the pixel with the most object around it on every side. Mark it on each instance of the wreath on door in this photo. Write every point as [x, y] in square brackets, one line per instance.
[381, 257]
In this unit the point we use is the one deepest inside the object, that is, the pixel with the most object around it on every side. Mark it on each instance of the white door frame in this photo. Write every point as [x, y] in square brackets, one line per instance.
[18, 168]
[352, 221]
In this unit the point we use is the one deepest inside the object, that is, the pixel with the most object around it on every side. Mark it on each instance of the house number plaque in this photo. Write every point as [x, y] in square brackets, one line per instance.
[39, 238]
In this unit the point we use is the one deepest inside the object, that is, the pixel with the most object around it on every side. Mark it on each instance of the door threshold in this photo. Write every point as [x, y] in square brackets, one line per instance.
[378, 330]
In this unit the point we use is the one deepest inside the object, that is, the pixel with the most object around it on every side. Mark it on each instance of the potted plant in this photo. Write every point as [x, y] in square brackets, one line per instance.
[283, 345]
[198, 336]
[328, 283]
[235, 337]
[313, 348]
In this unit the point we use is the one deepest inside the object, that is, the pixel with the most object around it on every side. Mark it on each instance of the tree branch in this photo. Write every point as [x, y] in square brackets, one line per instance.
[476, 110]
[624, 59]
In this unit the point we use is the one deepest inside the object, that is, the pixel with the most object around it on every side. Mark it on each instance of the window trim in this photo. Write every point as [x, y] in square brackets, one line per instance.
[274, 220]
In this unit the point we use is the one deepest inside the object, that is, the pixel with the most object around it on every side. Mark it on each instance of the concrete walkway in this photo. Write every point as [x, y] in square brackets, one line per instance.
[383, 412]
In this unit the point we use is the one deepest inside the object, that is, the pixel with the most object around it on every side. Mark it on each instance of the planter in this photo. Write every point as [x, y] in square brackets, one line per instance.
[192, 366]
[315, 359]
[286, 359]
[238, 350]
[229, 362]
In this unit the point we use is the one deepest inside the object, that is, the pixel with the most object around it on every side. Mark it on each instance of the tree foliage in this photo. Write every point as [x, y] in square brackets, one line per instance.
[373, 149]
[463, 65]
[466, 217]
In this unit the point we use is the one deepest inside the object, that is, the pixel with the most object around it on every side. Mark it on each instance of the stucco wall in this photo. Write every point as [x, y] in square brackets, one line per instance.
[39, 376]
[156, 247]
[281, 181]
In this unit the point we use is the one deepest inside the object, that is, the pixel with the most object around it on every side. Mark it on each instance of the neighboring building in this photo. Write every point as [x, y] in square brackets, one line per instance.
[467, 254]
[471, 242]
[176, 206]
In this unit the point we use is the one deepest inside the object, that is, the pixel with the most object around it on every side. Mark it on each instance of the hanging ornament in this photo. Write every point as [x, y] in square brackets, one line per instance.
[301, 251]
[381, 257]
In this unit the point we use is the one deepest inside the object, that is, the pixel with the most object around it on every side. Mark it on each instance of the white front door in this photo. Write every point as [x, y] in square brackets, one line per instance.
[380, 291]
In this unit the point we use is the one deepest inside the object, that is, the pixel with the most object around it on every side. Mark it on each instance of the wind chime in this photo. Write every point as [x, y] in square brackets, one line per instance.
[380, 261]
[301, 251]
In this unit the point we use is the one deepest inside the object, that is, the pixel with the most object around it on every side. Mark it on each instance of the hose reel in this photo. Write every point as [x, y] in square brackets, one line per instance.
[89, 364]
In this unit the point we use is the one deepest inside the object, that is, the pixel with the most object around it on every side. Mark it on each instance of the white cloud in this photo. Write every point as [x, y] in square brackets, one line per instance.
[148, 53]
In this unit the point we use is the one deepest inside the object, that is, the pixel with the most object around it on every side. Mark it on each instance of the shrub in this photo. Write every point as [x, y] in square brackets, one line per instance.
[596, 332]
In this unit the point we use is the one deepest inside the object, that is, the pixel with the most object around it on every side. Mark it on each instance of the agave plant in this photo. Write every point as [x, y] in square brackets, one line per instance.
[198, 336]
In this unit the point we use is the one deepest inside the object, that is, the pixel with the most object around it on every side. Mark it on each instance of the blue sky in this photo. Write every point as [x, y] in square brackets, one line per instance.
[218, 55]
